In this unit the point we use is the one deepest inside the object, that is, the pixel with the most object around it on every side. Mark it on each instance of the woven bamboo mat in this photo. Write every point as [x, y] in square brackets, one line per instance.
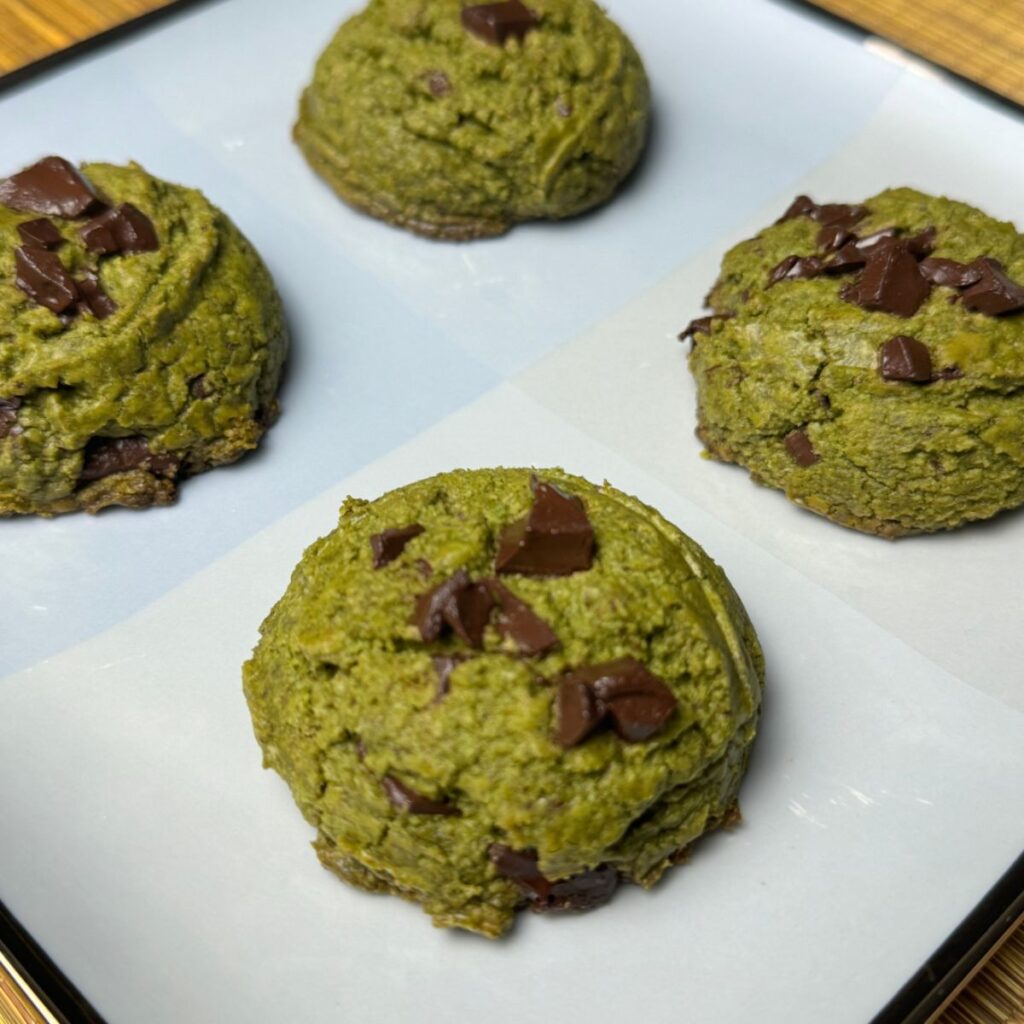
[982, 40]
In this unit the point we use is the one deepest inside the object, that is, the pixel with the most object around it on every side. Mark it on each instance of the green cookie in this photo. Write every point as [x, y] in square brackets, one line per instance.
[879, 378]
[459, 132]
[164, 365]
[481, 712]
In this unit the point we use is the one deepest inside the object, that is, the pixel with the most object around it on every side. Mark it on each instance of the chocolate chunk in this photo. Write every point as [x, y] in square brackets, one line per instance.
[123, 228]
[40, 234]
[407, 799]
[105, 456]
[950, 273]
[438, 83]
[794, 268]
[702, 325]
[389, 544]
[444, 666]
[554, 539]
[799, 446]
[994, 293]
[494, 23]
[9, 416]
[457, 603]
[577, 712]
[891, 282]
[635, 700]
[802, 206]
[468, 611]
[42, 277]
[921, 244]
[855, 253]
[429, 614]
[93, 297]
[838, 214]
[584, 891]
[198, 387]
[52, 186]
[834, 236]
[519, 622]
[904, 358]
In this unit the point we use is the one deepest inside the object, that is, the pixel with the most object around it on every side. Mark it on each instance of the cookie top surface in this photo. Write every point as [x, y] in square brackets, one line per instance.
[346, 692]
[423, 119]
[900, 396]
[174, 333]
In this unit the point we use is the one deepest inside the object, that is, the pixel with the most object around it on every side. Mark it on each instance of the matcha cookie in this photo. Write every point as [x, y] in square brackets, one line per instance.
[491, 690]
[869, 361]
[459, 121]
[141, 339]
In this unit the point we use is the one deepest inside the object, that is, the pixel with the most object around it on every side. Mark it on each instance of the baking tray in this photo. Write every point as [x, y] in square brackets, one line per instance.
[142, 846]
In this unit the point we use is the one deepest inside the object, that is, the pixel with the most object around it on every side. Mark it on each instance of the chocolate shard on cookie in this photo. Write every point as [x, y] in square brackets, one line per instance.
[52, 186]
[905, 359]
[498, 22]
[389, 544]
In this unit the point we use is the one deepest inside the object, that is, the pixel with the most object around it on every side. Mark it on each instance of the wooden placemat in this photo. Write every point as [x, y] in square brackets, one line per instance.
[982, 40]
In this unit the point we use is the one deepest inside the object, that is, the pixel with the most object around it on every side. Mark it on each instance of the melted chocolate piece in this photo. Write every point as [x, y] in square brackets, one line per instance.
[404, 798]
[42, 277]
[494, 23]
[105, 456]
[577, 712]
[124, 229]
[40, 234]
[93, 297]
[795, 268]
[554, 539]
[905, 358]
[444, 666]
[52, 186]
[457, 603]
[702, 325]
[389, 544]
[949, 273]
[891, 282]
[636, 701]
[585, 891]
[994, 293]
[799, 446]
[9, 416]
[519, 622]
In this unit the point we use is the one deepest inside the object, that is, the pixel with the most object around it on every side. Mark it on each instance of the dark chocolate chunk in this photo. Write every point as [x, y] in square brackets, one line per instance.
[42, 277]
[519, 622]
[93, 298]
[799, 446]
[52, 186]
[123, 228]
[468, 611]
[905, 358]
[9, 416]
[40, 234]
[584, 891]
[921, 244]
[702, 325]
[407, 799]
[834, 236]
[389, 544]
[855, 253]
[802, 206]
[554, 539]
[429, 614]
[838, 213]
[635, 700]
[994, 293]
[105, 456]
[795, 268]
[494, 23]
[198, 387]
[950, 273]
[438, 83]
[577, 711]
[444, 666]
[891, 282]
